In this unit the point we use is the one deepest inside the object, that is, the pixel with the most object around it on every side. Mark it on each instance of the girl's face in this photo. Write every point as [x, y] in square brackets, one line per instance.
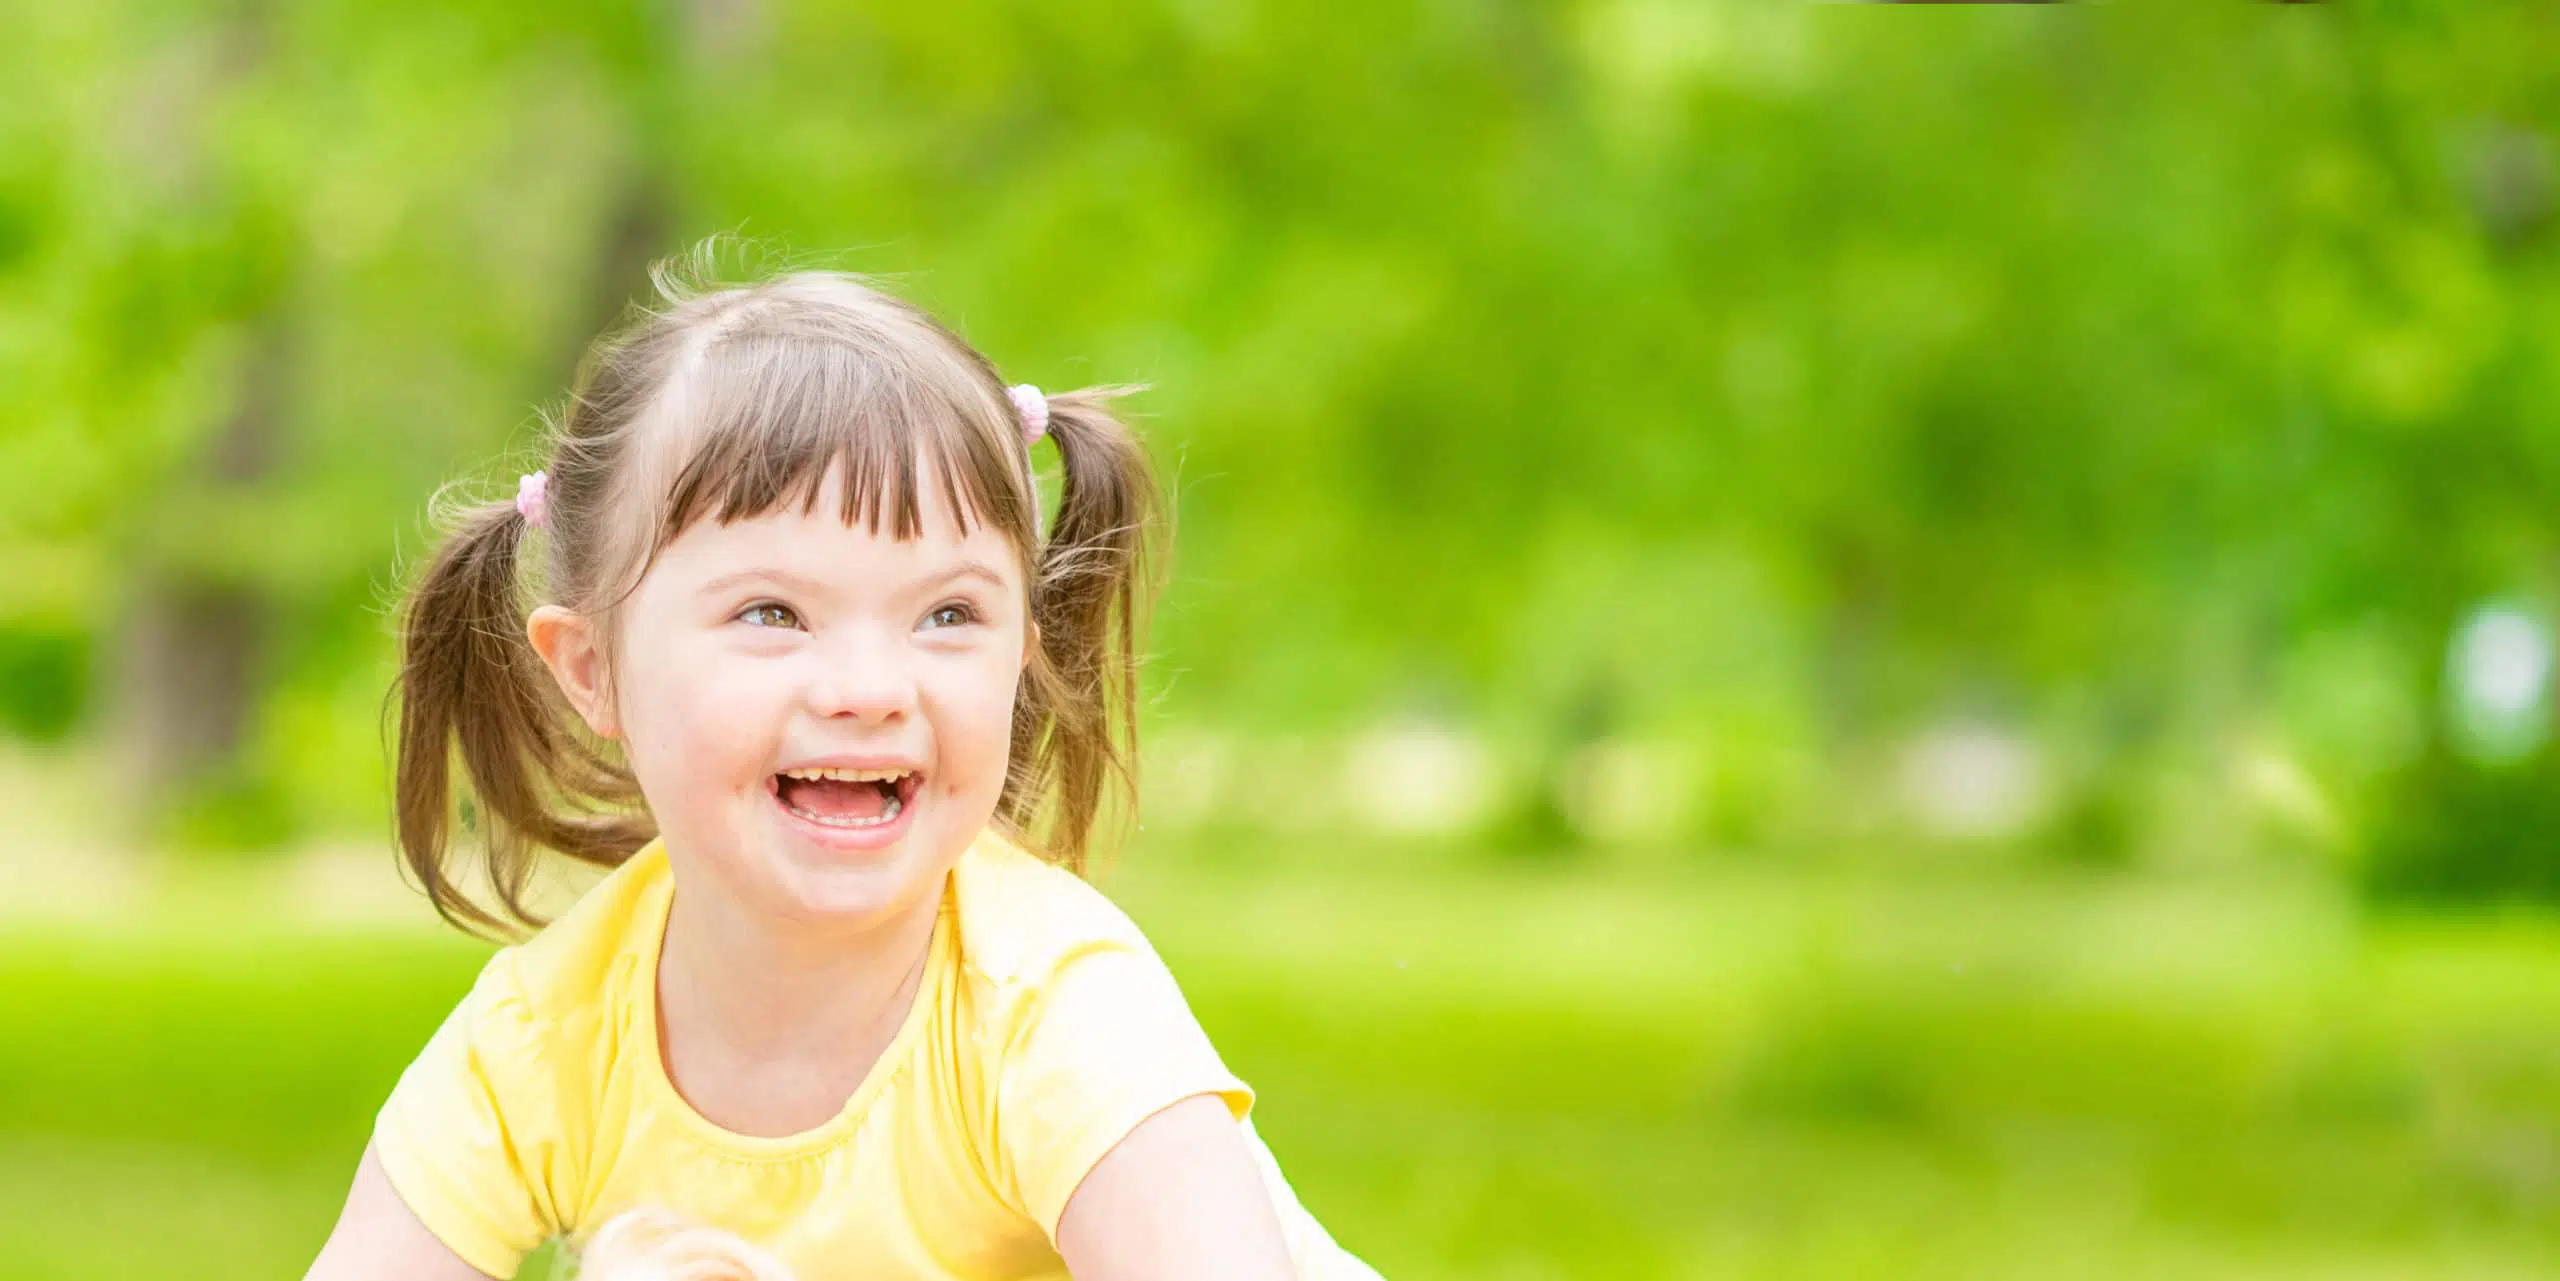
[820, 716]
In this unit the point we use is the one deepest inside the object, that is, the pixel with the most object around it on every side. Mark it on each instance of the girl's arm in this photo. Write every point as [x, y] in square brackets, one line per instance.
[1179, 1198]
[378, 1239]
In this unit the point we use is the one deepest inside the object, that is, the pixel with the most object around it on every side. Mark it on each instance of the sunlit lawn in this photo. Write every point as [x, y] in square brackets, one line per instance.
[1524, 1072]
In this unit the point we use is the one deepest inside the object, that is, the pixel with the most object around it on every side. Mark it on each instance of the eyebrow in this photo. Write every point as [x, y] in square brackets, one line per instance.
[966, 569]
[801, 583]
[782, 578]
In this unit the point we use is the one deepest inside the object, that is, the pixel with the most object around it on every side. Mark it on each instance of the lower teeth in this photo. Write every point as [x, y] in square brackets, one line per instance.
[888, 811]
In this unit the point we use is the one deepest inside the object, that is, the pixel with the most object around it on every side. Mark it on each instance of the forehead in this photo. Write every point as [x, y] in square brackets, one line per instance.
[827, 539]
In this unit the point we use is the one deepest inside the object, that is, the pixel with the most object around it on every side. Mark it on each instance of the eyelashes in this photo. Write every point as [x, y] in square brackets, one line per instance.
[949, 614]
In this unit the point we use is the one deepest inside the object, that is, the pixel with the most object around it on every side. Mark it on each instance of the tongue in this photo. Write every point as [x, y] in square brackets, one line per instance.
[835, 798]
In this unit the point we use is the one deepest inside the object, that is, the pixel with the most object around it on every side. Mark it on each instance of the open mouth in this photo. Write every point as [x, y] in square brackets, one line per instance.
[851, 799]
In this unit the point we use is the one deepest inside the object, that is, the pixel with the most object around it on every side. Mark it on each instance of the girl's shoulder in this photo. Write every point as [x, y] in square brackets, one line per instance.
[583, 958]
[1022, 918]
[1074, 1031]
[509, 1087]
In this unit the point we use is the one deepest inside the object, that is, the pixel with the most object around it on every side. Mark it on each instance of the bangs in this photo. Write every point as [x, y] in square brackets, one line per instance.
[766, 417]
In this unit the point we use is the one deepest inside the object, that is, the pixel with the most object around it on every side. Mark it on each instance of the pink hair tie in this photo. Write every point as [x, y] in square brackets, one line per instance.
[533, 498]
[1032, 408]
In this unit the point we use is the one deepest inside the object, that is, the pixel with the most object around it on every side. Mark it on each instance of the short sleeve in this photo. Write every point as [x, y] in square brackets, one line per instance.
[1106, 1042]
[465, 1137]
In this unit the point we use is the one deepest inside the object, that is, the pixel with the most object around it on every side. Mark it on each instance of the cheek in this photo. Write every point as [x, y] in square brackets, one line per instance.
[977, 711]
[693, 715]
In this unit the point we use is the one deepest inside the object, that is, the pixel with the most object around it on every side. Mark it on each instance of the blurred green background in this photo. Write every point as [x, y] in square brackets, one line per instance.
[1806, 641]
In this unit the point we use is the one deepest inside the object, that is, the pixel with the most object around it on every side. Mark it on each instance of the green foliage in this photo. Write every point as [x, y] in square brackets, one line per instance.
[1787, 376]
[44, 682]
[2471, 832]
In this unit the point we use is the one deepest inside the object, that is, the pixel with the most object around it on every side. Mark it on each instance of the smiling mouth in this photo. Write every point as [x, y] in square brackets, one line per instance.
[846, 798]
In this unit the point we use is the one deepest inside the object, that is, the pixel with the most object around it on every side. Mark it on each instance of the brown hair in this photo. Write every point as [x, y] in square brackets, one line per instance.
[726, 403]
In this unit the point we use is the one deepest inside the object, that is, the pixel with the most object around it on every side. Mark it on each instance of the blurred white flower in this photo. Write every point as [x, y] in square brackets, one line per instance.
[1417, 779]
[2498, 683]
[1971, 779]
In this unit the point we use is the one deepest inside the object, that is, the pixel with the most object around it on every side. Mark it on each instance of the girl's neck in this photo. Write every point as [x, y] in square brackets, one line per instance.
[770, 1030]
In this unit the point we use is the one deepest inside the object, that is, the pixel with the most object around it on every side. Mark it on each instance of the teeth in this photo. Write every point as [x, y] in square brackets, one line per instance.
[848, 775]
[887, 814]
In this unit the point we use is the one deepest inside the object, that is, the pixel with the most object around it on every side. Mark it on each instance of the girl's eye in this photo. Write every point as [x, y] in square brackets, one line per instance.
[768, 614]
[952, 615]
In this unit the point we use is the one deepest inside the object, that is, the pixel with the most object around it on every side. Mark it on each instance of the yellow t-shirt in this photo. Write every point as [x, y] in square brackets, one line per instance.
[1044, 1030]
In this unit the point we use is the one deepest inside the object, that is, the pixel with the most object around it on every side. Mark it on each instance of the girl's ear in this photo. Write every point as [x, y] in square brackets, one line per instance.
[1033, 645]
[566, 640]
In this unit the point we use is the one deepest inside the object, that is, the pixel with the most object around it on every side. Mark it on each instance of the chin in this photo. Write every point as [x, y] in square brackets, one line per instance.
[845, 895]
[820, 881]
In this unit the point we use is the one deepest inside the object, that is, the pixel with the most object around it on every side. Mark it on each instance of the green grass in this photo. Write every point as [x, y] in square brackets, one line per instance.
[1487, 1074]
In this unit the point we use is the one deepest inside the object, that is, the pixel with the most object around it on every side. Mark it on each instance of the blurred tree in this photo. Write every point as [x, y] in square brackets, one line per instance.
[2145, 379]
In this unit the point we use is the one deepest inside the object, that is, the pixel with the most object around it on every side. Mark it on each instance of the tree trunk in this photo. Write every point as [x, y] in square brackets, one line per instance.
[193, 656]
[643, 222]
[194, 663]
[684, 38]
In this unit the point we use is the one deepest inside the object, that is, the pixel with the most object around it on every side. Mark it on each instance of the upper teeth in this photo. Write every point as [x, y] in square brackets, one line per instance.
[848, 775]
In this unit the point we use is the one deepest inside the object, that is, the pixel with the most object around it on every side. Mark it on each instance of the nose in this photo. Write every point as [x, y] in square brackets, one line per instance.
[861, 680]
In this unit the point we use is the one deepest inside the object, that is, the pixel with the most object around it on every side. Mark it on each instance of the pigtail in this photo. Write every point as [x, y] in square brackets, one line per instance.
[471, 686]
[1075, 727]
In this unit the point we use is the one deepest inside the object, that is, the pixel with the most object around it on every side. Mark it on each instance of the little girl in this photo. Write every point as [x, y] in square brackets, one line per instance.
[810, 672]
